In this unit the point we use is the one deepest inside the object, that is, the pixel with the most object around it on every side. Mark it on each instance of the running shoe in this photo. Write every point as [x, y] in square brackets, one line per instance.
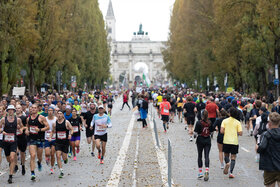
[52, 171]
[222, 166]
[77, 151]
[39, 166]
[101, 161]
[23, 170]
[165, 131]
[75, 158]
[191, 139]
[61, 174]
[226, 169]
[33, 177]
[206, 176]
[200, 175]
[92, 154]
[66, 161]
[231, 176]
[10, 180]
[69, 155]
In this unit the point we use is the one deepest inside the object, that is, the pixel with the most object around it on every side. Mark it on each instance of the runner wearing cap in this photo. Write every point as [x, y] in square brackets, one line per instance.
[100, 122]
[9, 126]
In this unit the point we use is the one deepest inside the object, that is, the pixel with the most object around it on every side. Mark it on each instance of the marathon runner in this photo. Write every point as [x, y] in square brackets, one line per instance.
[164, 108]
[9, 126]
[110, 101]
[231, 128]
[87, 118]
[189, 114]
[63, 131]
[76, 123]
[37, 125]
[2, 114]
[180, 103]
[50, 140]
[203, 142]
[21, 139]
[100, 123]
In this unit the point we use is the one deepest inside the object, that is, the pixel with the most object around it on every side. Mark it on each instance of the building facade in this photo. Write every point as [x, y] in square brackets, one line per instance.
[129, 59]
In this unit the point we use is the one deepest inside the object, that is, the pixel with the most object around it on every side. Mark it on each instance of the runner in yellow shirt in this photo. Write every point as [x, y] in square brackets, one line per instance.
[159, 100]
[231, 128]
[180, 103]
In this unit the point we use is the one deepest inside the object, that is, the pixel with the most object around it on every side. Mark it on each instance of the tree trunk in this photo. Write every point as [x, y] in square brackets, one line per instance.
[264, 84]
[1, 77]
[31, 75]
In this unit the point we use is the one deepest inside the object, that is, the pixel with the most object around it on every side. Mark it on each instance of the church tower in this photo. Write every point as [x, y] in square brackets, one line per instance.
[111, 22]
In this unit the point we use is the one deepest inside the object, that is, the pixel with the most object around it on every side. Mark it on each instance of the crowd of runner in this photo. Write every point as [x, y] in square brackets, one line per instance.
[224, 113]
[51, 126]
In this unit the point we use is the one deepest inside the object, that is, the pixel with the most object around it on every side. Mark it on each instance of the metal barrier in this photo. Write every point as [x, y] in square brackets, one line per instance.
[169, 163]
[156, 133]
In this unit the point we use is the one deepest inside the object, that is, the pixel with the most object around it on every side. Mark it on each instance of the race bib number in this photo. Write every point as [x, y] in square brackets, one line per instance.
[165, 110]
[9, 137]
[100, 128]
[1, 136]
[61, 135]
[75, 129]
[18, 132]
[33, 130]
[110, 103]
[48, 135]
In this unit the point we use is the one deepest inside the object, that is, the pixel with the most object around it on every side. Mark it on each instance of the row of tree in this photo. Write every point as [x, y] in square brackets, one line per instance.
[47, 36]
[213, 38]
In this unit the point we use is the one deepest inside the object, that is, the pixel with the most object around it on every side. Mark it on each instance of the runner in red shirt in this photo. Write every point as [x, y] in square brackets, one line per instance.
[213, 110]
[164, 111]
[125, 100]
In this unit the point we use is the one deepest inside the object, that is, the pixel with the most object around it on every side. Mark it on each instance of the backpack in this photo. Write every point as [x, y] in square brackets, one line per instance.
[205, 129]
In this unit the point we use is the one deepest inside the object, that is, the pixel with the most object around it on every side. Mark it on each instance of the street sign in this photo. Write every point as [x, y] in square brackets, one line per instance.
[23, 72]
[276, 81]
[74, 84]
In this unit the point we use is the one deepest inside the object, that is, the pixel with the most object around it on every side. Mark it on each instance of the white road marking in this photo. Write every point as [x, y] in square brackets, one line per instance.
[244, 149]
[117, 170]
[161, 158]
[136, 160]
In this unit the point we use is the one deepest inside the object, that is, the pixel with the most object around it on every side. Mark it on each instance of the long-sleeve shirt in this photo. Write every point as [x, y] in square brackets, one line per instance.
[98, 121]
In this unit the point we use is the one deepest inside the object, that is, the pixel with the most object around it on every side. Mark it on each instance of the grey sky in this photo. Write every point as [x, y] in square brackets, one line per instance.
[153, 14]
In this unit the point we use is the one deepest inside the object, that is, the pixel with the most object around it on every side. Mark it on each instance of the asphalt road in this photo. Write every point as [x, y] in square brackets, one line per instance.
[133, 159]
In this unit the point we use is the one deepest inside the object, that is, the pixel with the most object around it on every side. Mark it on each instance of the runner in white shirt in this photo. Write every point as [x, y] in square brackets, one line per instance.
[50, 141]
[101, 122]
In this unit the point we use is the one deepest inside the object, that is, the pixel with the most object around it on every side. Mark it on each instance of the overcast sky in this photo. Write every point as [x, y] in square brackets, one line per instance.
[153, 14]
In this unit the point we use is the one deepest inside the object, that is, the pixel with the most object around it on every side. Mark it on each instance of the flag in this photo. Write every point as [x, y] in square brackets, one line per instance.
[146, 79]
